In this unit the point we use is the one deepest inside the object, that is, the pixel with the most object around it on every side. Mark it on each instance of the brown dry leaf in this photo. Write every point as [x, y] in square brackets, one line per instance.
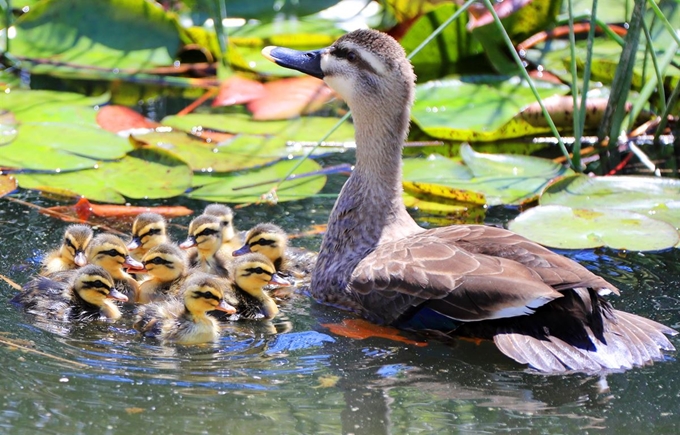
[120, 118]
[290, 97]
[238, 90]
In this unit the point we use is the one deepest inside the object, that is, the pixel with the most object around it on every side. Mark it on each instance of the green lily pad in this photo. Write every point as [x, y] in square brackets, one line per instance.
[563, 227]
[61, 147]
[52, 106]
[232, 188]
[501, 178]
[142, 174]
[655, 197]
[308, 128]
[478, 109]
[123, 34]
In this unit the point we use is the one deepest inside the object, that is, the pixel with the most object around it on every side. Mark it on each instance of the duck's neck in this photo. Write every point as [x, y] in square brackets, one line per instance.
[370, 210]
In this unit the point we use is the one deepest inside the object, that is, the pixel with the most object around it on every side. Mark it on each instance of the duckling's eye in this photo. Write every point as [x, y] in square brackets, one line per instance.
[99, 285]
[112, 253]
[157, 260]
[206, 295]
[207, 232]
[151, 232]
[351, 56]
[263, 242]
[258, 270]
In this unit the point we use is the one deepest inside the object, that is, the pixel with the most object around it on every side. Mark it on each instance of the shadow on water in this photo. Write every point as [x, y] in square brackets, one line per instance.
[293, 376]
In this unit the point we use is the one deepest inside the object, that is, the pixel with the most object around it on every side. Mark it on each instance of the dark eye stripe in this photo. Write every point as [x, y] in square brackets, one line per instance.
[151, 232]
[259, 270]
[112, 253]
[98, 284]
[207, 232]
[263, 242]
[342, 53]
[206, 295]
[69, 243]
[157, 260]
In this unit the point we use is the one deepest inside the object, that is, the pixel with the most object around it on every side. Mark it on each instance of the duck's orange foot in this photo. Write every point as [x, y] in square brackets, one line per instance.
[360, 329]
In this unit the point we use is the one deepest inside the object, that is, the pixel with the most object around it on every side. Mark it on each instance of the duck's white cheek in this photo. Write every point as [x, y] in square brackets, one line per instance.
[341, 85]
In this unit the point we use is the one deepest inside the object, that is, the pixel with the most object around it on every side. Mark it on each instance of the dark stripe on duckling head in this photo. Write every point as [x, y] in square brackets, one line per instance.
[151, 232]
[207, 232]
[205, 295]
[113, 252]
[159, 261]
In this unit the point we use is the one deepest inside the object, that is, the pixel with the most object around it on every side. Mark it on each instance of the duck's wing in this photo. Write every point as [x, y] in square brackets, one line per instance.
[466, 273]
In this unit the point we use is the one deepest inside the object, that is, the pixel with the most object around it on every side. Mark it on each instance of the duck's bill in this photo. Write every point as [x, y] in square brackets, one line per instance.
[115, 294]
[188, 243]
[223, 306]
[279, 281]
[80, 259]
[243, 250]
[308, 62]
[134, 244]
[133, 265]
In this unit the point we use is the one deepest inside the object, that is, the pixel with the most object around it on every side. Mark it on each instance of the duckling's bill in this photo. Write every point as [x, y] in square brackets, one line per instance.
[308, 62]
[132, 265]
[223, 306]
[115, 294]
[243, 250]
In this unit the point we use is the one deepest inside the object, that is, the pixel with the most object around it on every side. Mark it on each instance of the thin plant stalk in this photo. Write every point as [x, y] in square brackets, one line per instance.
[525, 74]
[657, 70]
[672, 100]
[578, 130]
[576, 149]
[659, 14]
[415, 51]
[599, 23]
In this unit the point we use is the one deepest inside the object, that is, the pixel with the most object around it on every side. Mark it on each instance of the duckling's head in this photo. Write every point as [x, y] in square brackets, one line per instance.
[226, 216]
[109, 252]
[95, 286]
[165, 262]
[267, 239]
[205, 233]
[204, 292]
[76, 240]
[360, 63]
[148, 230]
[254, 271]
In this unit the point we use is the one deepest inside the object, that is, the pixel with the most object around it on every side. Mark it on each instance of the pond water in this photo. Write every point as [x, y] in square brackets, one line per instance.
[294, 376]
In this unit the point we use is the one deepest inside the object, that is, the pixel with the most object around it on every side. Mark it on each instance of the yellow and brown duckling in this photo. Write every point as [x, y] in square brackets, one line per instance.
[166, 267]
[109, 252]
[231, 239]
[71, 253]
[251, 273]
[272, 241]
[205, 236]
[148, 231]
[186, 320]
[83, 294]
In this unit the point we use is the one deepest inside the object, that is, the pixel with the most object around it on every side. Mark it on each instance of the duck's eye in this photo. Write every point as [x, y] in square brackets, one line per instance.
[351, 56]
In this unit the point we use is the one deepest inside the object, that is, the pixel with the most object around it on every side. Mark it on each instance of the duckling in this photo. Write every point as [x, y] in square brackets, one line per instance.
[272, 241]
[77, 295]
[109, 252]
[186, 321]
[231, 239]
[251, 273]
[71, 253]
[538, 307]
[166, 266]
[148, 230]
[205, 234]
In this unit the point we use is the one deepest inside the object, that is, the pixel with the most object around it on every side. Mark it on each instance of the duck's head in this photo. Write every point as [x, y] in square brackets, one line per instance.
[360, 63]
[148, 230]
[267, 239]
[76, 240]
[252, 272]
[204, 292]
[226, 216]
[95, 286]
[205, 233]
[165, 262]
[109, 252]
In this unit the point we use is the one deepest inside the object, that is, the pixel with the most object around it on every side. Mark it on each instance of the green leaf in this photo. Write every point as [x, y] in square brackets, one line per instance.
[563, 227]
[142, 174]
[230, 188]
[655, 197]
[123, 34]
[503, 165]
[61, 147]
[478, 109]
[52, 106]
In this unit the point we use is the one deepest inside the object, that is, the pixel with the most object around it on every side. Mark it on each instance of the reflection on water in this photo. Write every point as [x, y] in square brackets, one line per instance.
[292, 376]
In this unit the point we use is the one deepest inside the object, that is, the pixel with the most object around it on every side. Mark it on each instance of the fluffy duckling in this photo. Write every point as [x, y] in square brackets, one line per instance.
[251, 273]
[148, 230]
[109, 252]
[166, 266]
[77, 295]
[205, 234]
[71, 253]
[231, 239]
[272, 241]
[186, 321]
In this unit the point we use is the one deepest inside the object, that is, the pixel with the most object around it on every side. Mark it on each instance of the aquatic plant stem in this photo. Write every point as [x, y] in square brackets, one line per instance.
[664, 117]
[659, 14]
[415, 51]
[525, 74]
[578, 128]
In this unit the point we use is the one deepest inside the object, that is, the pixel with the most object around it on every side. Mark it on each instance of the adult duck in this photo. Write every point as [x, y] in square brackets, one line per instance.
[539, 308]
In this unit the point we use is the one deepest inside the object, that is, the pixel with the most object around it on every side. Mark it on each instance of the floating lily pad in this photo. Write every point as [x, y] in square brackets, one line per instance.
[141, 174]
[563, 227]
[232, 187]
[124, 34]
[655, 197]
[478, 109]
[61, 147]
[52, 106]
